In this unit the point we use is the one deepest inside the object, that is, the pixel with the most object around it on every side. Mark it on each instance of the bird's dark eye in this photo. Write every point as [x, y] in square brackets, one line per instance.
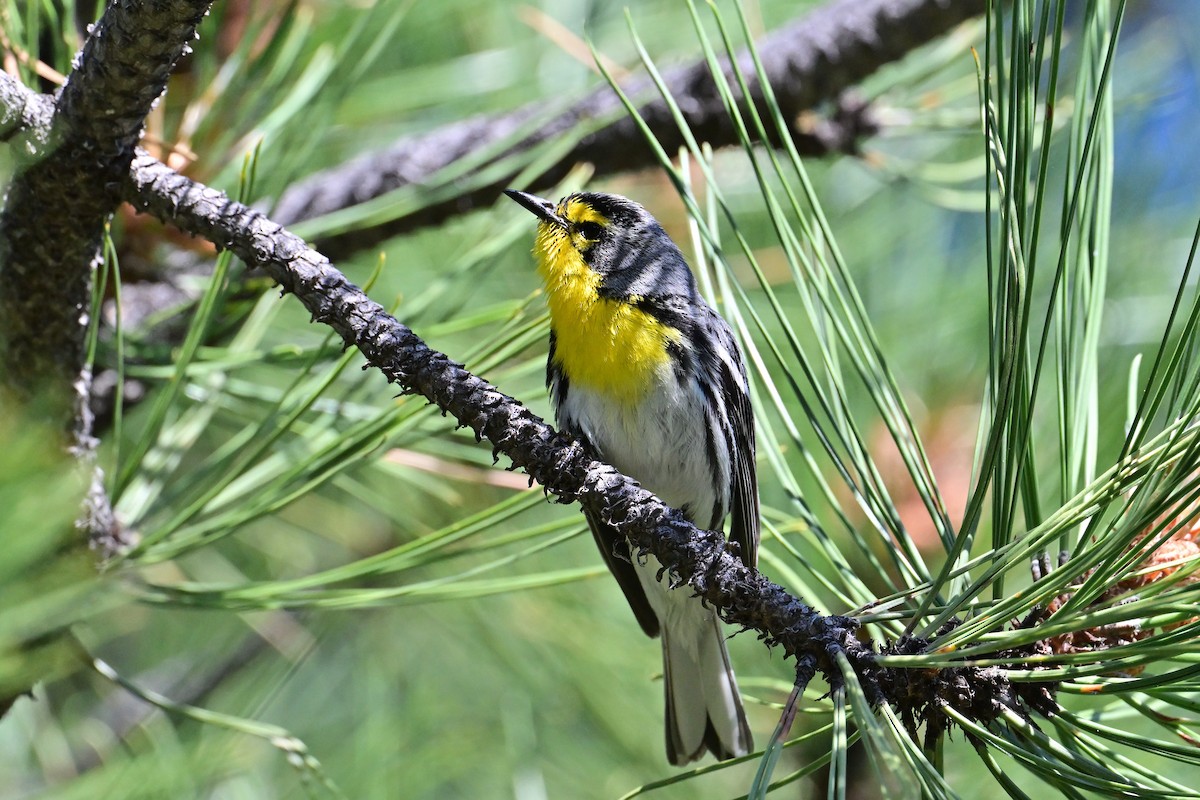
[590, 230]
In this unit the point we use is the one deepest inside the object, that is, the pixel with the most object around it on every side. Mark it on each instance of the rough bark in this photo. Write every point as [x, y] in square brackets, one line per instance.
[698, 559]
[67, 185]
[695, 560]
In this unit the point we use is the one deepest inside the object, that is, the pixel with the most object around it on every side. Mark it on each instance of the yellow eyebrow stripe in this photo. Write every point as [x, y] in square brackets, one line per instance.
[576, 211]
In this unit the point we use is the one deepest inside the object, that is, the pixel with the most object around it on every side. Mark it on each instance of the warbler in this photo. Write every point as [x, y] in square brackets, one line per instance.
[650, 378]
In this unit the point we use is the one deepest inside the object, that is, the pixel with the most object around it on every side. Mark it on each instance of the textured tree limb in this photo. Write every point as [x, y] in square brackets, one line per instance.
[64, 191]
[811, 61]
[66, 187]
[694, 559]
[698, 559]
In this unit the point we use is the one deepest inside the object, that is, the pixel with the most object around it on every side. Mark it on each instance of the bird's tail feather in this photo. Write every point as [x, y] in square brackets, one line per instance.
[703, 707]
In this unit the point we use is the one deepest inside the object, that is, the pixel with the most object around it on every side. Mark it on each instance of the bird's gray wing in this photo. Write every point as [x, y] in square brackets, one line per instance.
[735, 392]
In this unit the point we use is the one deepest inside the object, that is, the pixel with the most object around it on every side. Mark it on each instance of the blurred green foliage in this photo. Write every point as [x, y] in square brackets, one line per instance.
[413, 665]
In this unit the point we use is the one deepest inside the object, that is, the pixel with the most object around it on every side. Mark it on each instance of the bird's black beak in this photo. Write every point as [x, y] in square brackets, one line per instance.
[542, 209]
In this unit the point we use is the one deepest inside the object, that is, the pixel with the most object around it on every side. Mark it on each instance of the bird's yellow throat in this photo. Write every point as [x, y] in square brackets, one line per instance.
[605, 345]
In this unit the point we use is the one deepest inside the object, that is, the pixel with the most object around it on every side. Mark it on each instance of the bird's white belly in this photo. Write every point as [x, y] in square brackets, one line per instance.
[659, 442]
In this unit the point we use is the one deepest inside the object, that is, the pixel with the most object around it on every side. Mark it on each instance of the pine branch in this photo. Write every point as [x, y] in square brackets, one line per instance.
[52, 225]
[698, 559]
[811, 61]
[693, 559]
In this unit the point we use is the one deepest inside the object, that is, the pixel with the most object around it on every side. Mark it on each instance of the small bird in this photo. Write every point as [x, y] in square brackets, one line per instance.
[649, 377]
